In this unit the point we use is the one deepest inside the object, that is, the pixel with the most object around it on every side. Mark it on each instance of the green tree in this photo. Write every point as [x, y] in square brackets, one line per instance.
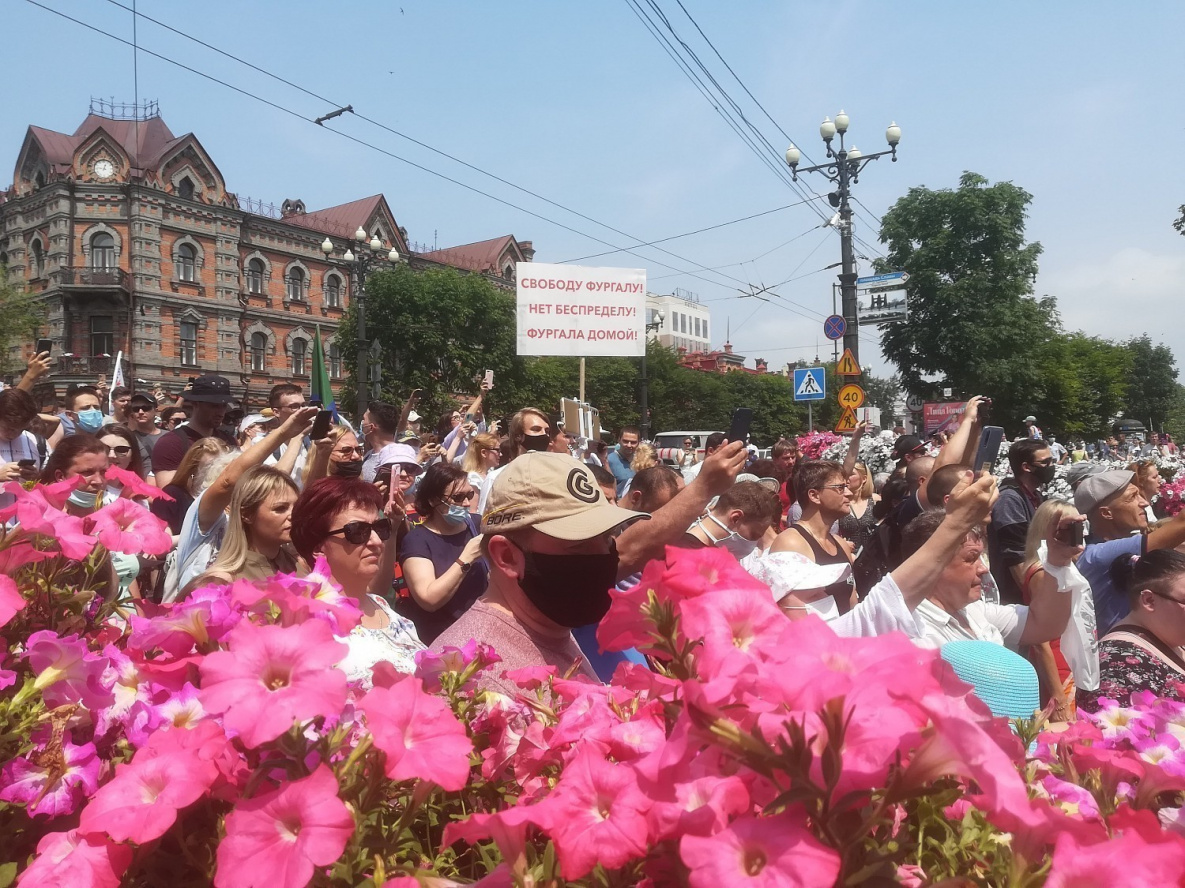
[882, 393]
[972, 319]
[1152, 381]
[1084, 384]
[20, 316]
[440, 331]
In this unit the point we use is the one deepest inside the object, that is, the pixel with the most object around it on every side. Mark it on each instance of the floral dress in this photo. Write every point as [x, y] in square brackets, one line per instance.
[1132, 660]
[397, 643]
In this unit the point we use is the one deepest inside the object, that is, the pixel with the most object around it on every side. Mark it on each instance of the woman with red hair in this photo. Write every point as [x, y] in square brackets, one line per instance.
[342, 520]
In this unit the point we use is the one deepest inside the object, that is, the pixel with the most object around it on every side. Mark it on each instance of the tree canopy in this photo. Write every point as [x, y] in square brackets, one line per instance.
[20, 316]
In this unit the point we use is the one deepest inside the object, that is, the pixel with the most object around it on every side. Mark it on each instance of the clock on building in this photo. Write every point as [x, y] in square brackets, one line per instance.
[104, 169]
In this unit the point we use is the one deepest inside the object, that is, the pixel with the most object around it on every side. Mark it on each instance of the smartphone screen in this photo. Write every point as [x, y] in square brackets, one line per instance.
[321, 425]
[45, 345]
[989, 448]
[742, 418]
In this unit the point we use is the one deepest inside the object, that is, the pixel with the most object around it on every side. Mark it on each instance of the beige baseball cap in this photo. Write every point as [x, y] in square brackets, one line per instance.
[554, 494]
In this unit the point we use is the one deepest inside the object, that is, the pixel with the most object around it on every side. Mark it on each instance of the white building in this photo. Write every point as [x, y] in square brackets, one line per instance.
[686, 323]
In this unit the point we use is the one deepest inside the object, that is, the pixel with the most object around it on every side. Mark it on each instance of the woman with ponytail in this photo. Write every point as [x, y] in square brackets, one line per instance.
[1144, 651]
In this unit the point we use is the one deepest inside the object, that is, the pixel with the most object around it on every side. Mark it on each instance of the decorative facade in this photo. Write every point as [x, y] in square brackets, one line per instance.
[133, 241]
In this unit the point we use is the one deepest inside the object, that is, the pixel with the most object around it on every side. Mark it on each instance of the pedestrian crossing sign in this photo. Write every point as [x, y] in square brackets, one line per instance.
[810, 384]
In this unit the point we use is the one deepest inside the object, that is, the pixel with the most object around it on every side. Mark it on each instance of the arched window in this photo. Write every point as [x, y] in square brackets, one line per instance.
[508, 272]
[255, 271]
[185, 188]
[102, 252]
[335, 362]
[36, 259]
[187, 263]
[258, 353]
[39, 180]
[300, 352]
[296, 284]
[333, 292]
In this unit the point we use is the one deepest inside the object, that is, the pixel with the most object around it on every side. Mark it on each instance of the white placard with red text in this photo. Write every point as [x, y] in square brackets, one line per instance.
[581, 311]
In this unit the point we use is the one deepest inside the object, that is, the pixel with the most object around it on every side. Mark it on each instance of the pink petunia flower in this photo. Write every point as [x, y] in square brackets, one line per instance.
[431, 665]
[699, 807]
[67, 672]
[70, 858]
[142, 801]
[778, 852]
[595, 814]
[732, 622]
[126, 526]
[276, 839]
[134, 485]
[49, 783]
[11, 600]
[273, 676]
[182, 709]
[419, 734]
[205, 616]
[1125, 859]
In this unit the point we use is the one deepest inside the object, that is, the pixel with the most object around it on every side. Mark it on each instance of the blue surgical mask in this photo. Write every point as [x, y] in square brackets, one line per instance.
[91, 419]
[83, 499]
[457, 514]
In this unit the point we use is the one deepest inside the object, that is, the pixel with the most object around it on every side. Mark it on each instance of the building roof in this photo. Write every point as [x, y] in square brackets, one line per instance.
[144, 141]
[342, 220]
[480, 256]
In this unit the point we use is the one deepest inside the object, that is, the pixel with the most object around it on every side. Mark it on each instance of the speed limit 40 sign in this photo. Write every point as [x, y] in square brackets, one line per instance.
[852, 396]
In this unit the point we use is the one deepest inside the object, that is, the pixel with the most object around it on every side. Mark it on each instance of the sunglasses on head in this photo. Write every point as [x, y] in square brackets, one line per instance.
[358, 532]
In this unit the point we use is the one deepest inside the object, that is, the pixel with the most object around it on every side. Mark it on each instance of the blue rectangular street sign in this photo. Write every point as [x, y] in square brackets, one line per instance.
[810, 384]
[887, 277]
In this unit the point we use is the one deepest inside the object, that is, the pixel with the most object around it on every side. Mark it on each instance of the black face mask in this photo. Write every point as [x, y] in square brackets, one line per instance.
[537, 443]
[348, 469]
[1044, 474]
[571, 590]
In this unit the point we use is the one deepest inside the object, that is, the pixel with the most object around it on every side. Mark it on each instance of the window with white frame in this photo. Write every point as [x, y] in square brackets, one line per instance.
[187, 263]
[335, 362]
[300, 357]
[189, 330]
[296, 284]
[333, 292]
[102, 252]
[255, 273]
[258, 353]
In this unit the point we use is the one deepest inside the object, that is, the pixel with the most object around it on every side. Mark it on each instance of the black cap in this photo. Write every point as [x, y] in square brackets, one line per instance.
[210, 389]
[142, 399]
[906, 444]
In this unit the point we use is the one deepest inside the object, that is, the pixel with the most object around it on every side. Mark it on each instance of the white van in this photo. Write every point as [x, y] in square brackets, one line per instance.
[670, 445]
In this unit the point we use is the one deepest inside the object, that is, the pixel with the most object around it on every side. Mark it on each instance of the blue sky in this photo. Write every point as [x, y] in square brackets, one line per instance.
[1079, 103]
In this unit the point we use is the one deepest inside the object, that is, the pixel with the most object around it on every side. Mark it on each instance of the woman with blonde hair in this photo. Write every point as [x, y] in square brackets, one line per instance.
[644, 457]
[482, 456]
[337, 455]
[1053, 672]
[859, 526]
[258, 539]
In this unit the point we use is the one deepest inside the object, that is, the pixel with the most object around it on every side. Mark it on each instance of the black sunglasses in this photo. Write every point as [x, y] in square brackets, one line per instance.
[141, 408]
[358, 532]
[121, 450]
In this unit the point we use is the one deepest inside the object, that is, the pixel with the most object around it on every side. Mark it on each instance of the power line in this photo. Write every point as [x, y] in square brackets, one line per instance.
[437, 174]
[325, 100]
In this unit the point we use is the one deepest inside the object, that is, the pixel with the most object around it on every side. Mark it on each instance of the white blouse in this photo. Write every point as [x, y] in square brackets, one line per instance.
[396, 643]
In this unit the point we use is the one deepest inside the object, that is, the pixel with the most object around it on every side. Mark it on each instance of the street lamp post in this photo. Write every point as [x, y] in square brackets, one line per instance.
[361, 264]
[844, 170]
[651, 327]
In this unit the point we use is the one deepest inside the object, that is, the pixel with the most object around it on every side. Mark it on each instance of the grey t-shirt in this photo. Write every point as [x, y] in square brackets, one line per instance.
[518, 646]
[147, 442]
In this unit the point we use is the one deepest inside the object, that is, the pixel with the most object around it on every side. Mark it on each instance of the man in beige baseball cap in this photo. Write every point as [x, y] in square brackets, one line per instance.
[549, 541]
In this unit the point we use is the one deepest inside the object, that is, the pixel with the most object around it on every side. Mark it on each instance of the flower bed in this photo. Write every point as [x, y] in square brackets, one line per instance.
[214, 742]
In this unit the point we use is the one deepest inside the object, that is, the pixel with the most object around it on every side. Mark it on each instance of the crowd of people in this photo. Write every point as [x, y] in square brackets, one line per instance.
[462, 531]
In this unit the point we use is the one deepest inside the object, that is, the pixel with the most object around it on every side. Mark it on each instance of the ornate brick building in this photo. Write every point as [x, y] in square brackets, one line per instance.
[132, 239]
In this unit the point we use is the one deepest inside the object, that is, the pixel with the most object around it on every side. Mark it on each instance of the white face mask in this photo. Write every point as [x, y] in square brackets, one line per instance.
[738, 545]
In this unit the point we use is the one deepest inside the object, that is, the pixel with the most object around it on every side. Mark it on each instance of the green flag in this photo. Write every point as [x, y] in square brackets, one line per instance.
[321, 390]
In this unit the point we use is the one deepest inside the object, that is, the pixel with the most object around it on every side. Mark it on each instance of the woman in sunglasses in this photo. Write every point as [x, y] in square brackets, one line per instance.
[441, 557]
[337, 455]
[342, 520]
[123, 451]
